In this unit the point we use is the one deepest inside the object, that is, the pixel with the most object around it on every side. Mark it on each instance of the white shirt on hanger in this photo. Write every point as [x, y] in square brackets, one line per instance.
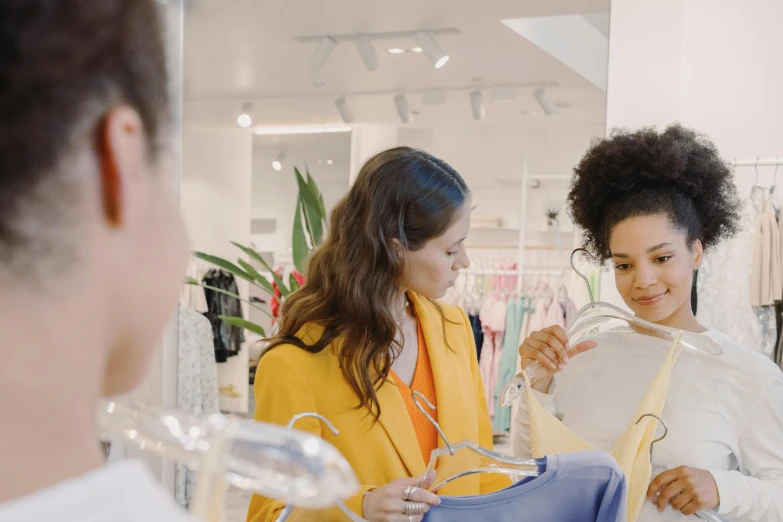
[724, 414]
[122, 492]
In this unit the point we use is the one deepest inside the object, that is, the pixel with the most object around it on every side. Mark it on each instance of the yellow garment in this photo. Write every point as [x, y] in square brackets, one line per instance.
[290, 380]
[549, 436]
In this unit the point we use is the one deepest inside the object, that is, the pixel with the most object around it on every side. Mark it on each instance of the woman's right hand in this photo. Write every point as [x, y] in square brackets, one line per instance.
[388, 503]
[551, 349]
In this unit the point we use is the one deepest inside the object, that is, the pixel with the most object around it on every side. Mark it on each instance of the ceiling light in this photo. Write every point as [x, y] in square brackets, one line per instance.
[395, 50]
[245, 120]
[329, 162]
[367, 52]
[544, 102]
[279, 160]
[403, 109]
[416, 50]
[344, 109]
[477, 105]
[431, 49]
[321, 55]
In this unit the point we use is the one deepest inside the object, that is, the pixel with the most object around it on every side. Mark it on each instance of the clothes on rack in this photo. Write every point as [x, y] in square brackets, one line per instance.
[507, 364]
[766, 285]
[493, 322]
[583, 487]
[724, 414]
[197, 386]
[193, 296]
[724, 284]
[228, 339]
[478, 333]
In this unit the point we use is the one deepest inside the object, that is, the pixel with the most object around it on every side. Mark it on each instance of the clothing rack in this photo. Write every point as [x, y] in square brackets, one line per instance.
[758, 162]
[523, 272]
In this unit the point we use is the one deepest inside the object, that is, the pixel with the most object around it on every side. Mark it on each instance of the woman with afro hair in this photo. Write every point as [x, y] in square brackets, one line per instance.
[652, 203]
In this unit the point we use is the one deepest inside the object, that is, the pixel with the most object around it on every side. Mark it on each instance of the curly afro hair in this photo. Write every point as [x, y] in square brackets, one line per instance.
[677, 172]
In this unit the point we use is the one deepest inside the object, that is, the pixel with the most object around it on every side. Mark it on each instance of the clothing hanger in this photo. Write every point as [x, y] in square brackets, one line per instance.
[497, 462]
[708, 514]
[286, 512]
[288, 465]
[600, 317]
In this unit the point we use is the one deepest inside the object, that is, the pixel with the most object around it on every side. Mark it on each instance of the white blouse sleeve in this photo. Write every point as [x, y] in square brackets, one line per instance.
[755, 492]
[520, 437]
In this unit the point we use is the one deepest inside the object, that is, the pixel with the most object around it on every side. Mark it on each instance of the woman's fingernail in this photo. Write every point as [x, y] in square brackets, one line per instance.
[566, 359]
[561, 366]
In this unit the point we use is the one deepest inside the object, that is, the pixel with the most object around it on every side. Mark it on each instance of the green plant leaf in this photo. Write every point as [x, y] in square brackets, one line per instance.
[242, 323]
[284, 291]
[225, 265]
[316, 194]
[300, 249]
[261, 281]
[293, 283]
[312, 210]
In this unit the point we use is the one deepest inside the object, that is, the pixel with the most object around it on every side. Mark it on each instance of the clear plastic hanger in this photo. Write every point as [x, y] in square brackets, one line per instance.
[288, 465]
[474, 459]
[600, 317]
[288, 509]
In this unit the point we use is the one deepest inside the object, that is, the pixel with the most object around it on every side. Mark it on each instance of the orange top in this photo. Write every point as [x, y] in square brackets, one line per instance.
[424, 383]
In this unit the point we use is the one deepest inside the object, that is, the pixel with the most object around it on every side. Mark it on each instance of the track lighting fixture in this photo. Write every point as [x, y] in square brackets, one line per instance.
[544, 102]
[344, 109]
[477, 105]
[321, 55]
[245, 118]
[403, 109]
[277, 164]
[431, 49]
[367, 52]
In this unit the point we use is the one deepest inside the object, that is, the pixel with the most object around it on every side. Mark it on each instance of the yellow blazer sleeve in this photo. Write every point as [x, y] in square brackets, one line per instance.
[489, 482]
[282, 390]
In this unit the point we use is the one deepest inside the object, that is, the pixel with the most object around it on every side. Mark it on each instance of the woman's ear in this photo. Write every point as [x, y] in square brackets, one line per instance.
[698, 254]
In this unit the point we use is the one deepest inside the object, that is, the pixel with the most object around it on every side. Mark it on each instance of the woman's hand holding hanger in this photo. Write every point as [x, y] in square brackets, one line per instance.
[551, 349]
[402, 500]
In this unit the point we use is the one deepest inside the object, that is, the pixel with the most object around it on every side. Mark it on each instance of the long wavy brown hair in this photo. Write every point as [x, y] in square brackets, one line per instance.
[401, 197]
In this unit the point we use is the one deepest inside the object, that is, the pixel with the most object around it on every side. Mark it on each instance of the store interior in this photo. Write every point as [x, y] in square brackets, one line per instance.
[511, 94]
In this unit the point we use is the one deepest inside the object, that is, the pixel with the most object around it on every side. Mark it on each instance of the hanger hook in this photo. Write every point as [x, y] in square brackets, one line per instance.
[318, 416]
[418, 395]
[775, 175]
[580, 274]
[756, 166]
[665, 430]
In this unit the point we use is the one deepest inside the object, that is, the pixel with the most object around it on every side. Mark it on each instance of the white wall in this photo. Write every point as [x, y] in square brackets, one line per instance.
[215, 189]
[274, 193]
[714, 65]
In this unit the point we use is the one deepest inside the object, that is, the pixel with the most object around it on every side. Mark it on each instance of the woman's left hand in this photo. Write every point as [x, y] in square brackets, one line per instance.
[688, 490]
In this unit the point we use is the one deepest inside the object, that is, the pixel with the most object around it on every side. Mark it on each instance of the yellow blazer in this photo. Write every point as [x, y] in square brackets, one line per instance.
[290, 380]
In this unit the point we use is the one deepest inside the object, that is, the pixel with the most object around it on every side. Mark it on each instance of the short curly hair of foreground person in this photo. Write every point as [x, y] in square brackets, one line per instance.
[677, 172]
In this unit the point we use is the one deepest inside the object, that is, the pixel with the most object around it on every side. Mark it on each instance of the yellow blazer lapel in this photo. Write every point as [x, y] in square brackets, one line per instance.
[447, 383]
[396, 421]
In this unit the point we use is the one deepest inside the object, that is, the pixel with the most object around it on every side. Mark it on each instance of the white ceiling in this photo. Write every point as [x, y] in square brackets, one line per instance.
[242, 50]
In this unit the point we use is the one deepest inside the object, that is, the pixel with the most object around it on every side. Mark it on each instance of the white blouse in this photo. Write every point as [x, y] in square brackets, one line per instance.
[724, 414]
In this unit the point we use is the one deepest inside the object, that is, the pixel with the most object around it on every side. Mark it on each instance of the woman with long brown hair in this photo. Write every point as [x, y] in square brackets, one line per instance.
[365, 331]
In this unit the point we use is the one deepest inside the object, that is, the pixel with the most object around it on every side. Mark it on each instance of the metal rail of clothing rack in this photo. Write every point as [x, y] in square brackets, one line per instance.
[758, 162]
